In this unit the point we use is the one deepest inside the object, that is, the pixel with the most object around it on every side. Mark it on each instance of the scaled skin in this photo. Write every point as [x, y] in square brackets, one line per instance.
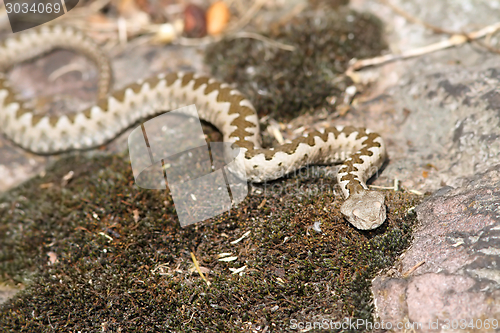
[365, 210]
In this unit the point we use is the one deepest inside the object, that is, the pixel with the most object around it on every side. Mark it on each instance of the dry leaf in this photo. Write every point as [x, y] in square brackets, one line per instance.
[217, 18]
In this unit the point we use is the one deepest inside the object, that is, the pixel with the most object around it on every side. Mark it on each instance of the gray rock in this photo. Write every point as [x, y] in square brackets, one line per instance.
[459, 241]
[440, 114]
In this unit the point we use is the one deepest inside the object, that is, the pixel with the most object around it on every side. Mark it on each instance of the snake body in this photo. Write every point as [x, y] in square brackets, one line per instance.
[360, 151]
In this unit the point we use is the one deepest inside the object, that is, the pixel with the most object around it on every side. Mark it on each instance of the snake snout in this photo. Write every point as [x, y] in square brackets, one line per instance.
[365, 210]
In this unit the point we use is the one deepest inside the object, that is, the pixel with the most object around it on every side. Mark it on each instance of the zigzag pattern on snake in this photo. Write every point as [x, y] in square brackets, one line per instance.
[360, 151]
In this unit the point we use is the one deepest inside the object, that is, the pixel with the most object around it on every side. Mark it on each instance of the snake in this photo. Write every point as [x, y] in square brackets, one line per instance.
[360, 152]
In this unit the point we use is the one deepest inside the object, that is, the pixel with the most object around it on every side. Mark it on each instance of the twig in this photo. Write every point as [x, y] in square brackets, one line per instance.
[457, 38]
[411, 270]
[381, 187]
[454, 40]
[416, 192]
[490, 29]
[187, 322]
[245, 34]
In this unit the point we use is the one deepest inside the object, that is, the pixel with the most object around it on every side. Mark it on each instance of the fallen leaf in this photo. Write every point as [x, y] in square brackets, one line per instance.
[217, 18]
[52, 257]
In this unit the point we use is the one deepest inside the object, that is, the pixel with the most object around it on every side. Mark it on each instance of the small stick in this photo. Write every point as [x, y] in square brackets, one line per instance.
[452, 41]
[411, 270]
[242, 34]
[245, 34]
[455, 39]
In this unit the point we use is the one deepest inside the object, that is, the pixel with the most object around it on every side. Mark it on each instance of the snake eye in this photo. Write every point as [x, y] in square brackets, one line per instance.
[356, 212]
[377, 205]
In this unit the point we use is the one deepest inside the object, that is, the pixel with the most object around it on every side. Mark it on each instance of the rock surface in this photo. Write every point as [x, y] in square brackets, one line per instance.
[445, 138]
[451, 270]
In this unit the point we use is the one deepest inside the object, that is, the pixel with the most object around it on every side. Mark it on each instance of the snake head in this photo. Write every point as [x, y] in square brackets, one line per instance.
[365, 210]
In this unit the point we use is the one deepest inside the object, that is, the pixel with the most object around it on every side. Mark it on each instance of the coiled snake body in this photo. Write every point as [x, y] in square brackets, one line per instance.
[360, 151]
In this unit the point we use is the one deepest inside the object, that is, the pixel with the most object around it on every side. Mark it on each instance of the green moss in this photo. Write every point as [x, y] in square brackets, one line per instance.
[117, 271]
[284, 83]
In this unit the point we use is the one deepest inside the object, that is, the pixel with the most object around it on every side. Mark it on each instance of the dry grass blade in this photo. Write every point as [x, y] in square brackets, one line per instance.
[197, 266]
